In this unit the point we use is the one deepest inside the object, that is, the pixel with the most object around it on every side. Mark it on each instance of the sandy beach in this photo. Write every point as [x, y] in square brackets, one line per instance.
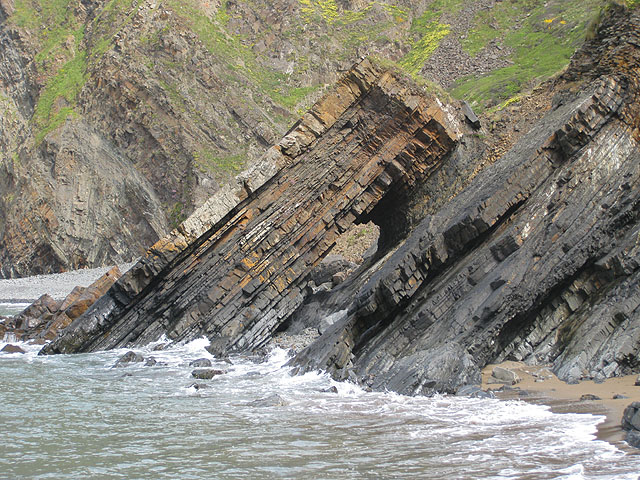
[539, 385]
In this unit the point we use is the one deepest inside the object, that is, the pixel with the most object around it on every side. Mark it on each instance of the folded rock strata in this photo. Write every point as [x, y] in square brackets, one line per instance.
[236, 269]
[536, 260]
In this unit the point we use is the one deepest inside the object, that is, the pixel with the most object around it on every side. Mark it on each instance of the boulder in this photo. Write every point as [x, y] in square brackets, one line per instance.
[631, 423]
[589, 397]
[274, 400]
[206, 373]
[504, 375]
[127, 358]
[330, 266]
[200, 363]
[9, 348]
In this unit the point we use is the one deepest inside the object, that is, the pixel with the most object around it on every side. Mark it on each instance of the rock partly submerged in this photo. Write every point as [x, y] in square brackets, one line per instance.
[537, 259]
[45, 318]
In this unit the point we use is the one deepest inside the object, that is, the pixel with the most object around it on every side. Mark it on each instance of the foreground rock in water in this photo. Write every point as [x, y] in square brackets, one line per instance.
[537, 259]
[237, 268]
[45, 318]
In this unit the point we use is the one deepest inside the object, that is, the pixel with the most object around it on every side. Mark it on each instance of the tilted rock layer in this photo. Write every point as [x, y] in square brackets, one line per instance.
[121, 117]
[537, 259]
[235, 274]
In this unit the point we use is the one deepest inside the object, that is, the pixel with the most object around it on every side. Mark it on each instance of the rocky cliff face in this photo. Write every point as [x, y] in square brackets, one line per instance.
[235, 275]
[121, 117]
[536, 259]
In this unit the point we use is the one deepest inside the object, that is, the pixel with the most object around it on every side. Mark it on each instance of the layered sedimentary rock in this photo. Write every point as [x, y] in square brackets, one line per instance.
[536, 260]
[237, 268]
[45, 318]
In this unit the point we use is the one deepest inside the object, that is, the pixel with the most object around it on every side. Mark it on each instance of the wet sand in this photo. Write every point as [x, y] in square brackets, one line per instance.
[541, 386]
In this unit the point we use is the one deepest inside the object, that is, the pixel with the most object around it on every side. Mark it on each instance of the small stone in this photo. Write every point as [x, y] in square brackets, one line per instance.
[200, 363]
[12, 349]
[206, 373]
[150, 362]
[618, 396]
[588, 397]
[127, 358]
[637, 384]
[332, 389]
[198, 386]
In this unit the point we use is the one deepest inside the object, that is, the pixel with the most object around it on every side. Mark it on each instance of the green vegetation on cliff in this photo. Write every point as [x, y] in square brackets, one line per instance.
[542, 36]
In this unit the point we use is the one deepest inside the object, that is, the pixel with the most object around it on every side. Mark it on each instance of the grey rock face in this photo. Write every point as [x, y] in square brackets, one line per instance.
[536, 260]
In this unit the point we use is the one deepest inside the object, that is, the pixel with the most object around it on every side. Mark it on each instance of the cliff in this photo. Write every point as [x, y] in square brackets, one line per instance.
[235, 274]
[120, 118]
[535, 259]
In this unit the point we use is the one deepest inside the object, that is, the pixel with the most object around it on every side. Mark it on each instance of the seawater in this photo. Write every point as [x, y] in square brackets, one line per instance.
[77, 417]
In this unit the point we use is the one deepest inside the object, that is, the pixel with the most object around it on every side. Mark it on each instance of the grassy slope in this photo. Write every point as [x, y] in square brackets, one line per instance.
[542, 35]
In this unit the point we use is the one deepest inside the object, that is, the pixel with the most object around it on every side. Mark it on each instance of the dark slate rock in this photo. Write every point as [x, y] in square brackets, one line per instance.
[332, 389]
[619, 396]
[633, 438]
[206, 373]
[631, 417]
[474, 391]
[200, 363]
[127, 358]
[150, 362]
[9, 348]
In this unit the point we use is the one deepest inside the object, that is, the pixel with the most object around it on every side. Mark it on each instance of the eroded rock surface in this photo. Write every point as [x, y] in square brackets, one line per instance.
[236, 269]
[45, 318]
[536, 260]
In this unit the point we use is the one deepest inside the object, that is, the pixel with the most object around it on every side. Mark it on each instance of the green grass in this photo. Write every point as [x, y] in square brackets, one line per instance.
[543, 39]
[220, 166]
[65, 84]
[420, 52]
[63, 55]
